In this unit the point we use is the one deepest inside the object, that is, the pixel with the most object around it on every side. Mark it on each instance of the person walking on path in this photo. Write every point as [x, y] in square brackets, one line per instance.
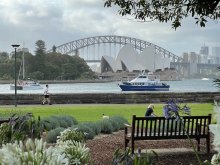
[46, 96]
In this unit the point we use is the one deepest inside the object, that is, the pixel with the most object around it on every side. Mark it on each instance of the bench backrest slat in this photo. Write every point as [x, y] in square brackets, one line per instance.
[138, 128]
[142, 127]
[146, 128]
[192, 132]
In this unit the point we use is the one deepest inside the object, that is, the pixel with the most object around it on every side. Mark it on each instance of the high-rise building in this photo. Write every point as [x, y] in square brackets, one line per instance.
[204, 50]
[185, 57]
[193, 57]
[216, 51]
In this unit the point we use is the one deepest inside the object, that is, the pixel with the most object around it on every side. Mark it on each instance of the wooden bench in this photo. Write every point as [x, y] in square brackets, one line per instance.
[159, 128]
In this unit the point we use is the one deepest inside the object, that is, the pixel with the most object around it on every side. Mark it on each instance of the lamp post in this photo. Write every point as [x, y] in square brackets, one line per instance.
[15, 46]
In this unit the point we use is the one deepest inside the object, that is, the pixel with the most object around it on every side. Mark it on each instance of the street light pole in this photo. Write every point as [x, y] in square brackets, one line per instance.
[15, 46]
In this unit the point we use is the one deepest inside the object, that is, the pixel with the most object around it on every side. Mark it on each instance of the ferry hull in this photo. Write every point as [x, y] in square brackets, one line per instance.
[26, 87]
[143, 88]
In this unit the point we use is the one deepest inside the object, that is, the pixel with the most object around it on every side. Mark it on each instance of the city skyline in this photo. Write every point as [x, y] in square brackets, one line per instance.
[60, 21]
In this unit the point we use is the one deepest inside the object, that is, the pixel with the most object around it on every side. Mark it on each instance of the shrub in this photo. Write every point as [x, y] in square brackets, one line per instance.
[46, 123]
[5, 133]
[52, 135]
[89, 133]
[76, 152]
[50, 123]
[115, 125]
[120, 120]
[215, 129]
[21, 127]
[70, 120]
[95, 126]
[72, 135]
[106, 126]
[31, 152]
[53, 122]
[63, 123]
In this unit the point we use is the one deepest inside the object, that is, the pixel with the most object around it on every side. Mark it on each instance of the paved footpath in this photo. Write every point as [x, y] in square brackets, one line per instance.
[56, 105]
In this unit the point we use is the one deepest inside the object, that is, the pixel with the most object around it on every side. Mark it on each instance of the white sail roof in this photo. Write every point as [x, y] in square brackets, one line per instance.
[129, 59]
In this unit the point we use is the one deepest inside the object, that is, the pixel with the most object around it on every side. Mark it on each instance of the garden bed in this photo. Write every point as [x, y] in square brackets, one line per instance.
[103, 147]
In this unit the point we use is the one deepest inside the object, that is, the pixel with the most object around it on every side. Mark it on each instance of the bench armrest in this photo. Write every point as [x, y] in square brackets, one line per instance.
[127, 127]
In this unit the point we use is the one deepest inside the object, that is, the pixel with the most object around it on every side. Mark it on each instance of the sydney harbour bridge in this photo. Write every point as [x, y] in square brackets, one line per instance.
[93, 48]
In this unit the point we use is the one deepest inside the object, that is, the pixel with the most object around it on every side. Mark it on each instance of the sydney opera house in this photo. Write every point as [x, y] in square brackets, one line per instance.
[129, 60]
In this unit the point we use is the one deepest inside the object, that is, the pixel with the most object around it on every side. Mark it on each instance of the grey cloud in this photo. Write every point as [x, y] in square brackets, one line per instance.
[61, 21]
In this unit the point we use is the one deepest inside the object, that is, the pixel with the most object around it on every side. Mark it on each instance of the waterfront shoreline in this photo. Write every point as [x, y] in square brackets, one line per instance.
[62, 81]
[70, 81]
[112, 98]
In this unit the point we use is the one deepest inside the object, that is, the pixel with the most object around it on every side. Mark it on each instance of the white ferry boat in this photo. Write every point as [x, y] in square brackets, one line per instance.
[144, 82]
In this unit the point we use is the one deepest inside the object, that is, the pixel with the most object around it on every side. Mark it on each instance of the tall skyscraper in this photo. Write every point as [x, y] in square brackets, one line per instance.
[204, 50]
[216, 51]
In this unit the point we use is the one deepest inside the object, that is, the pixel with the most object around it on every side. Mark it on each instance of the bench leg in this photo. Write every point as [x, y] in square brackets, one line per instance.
[126, 143]
[132, 147]
[208, 144]
[198, 144]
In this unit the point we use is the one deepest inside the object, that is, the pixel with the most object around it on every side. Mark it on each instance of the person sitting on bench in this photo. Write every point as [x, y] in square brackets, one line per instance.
[150, 111]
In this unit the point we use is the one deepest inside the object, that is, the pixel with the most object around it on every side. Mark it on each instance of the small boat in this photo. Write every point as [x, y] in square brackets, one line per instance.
[144, 82]
[205, 78]
[27, 85]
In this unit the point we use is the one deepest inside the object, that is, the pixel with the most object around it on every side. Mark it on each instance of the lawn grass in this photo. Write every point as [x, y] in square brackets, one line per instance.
[93, 112]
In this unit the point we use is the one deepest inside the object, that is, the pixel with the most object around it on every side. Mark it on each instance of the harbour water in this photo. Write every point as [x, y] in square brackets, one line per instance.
[187, 85]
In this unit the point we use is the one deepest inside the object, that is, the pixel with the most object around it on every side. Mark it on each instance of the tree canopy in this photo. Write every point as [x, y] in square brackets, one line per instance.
[46, 66]
[168, 10]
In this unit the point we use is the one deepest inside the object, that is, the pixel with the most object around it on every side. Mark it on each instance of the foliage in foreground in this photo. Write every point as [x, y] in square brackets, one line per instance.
[71, 142]
[31, 152]
[20, 127]
[89, 129]
[126, 158]
[38, 153]
[71, 135]
[215, 129]
[168, 10]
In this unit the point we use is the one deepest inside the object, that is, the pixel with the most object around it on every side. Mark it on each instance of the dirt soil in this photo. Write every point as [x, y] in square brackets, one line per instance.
[103, 147]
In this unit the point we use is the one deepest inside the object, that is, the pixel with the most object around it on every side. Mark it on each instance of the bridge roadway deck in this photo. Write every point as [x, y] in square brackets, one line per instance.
[112, 98]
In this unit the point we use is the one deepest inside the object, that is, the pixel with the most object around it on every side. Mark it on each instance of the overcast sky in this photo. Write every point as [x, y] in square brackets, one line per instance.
[60, 21]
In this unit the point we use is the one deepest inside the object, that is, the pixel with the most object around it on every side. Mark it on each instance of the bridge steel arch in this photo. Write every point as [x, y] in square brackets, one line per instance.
[138, 44]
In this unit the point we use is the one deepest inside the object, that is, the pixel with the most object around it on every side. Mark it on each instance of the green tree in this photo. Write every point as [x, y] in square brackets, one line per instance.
[39, 64]
[29, 64]
[54, 48]
[7, 70]
[46, 66]
[70, 71]
[40, 48]
[4, 56]
[37, 75]
[169, 10]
